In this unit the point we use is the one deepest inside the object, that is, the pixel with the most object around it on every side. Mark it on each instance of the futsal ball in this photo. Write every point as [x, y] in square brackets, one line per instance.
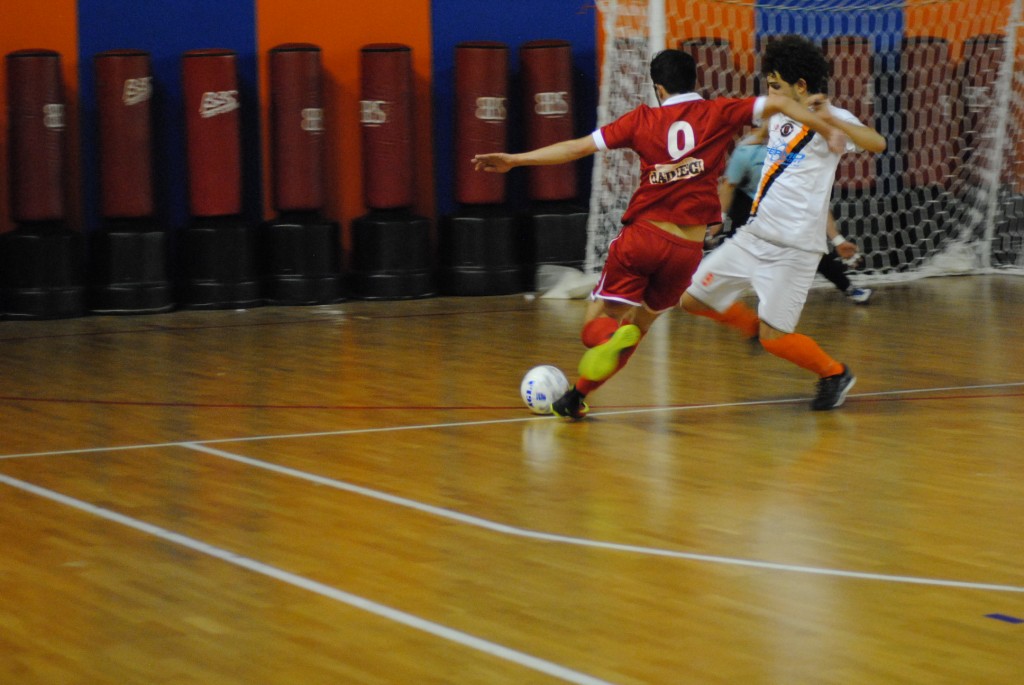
[541, 386]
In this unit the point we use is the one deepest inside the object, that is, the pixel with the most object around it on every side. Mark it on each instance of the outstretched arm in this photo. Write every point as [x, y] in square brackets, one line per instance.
[862, 136]
[557, 153]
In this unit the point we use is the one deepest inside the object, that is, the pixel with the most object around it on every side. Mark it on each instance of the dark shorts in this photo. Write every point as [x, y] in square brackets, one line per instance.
[649, 266]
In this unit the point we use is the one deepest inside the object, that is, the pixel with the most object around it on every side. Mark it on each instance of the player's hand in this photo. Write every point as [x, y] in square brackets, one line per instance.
[846, 251]
[495, 162]
[818, 103]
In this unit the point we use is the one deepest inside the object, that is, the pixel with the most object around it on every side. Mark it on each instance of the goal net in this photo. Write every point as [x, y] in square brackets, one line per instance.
[942, 80]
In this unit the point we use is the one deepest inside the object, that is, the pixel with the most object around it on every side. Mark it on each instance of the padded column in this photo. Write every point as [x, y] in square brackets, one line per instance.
[297, 127]
[391, 250]
[219, 245]
[556, 222]
[35, 101]
[300, 249]
[128, 253]
[41, 271]
[546, 76]
[482, 247]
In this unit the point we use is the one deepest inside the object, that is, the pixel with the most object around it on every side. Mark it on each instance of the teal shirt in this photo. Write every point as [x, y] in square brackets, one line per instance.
[744, 167]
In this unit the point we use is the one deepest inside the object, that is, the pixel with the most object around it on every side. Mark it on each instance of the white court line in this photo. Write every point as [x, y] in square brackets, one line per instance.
[510, 530]
[584, 542]
[490, 422]
[435, 629]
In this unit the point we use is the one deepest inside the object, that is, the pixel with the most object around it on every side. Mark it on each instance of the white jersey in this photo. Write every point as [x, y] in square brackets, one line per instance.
[792, 202]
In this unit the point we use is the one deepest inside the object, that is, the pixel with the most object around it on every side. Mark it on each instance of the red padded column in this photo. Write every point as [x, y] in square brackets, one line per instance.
[546, 67]
[386, 116]
[35, 101]
[481, 118]
[124, 87]
[297, 134]
[213, 132]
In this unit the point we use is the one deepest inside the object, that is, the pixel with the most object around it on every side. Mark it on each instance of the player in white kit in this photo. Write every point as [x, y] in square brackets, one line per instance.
[778, 250]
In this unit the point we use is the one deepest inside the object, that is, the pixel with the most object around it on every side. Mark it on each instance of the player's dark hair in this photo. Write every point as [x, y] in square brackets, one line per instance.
[674, 70]
[793, 58]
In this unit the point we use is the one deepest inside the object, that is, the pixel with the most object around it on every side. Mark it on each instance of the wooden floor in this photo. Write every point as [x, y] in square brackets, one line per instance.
[355, 494]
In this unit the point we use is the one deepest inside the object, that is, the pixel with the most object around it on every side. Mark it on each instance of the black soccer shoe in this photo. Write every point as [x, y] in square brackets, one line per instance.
[832, 390]
[570, 405]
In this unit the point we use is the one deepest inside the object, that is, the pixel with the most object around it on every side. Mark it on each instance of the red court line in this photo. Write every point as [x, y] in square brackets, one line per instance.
[340, 317]
[859, 399]
[241, 405]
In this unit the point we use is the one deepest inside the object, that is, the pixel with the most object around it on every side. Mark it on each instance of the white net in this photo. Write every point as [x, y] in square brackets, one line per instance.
[942, 80]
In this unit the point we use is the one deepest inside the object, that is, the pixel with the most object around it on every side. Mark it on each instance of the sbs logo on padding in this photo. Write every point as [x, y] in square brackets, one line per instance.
[53, 116]
[218, 102]
[554, 104]
[137, 90]
[491, 109]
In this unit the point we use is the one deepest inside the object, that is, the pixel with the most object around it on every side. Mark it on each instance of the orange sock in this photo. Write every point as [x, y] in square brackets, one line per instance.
[585, 386]
[738, 316]
[597, 331]
[803, 352]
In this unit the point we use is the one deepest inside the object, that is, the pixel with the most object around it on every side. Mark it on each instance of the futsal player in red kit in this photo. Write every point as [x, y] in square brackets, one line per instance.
[683, 145]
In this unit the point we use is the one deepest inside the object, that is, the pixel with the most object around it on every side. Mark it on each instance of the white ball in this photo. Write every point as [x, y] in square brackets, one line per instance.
[541, 386]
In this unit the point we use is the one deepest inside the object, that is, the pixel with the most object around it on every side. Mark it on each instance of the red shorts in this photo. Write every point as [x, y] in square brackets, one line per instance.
[647, 265]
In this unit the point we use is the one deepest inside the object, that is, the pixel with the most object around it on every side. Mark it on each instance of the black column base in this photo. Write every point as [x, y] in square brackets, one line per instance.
[128, 268]
[301, 260]
[391, 256]
[559, 236]
[482, 253]
[219, 264]
[41, 272]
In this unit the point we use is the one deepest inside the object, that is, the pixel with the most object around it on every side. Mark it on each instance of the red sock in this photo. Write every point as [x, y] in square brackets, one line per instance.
[738, 316]
[597, 331]
[803, 352]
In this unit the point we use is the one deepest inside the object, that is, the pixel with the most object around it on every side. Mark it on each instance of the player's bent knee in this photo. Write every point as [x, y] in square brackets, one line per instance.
[767, 332]
[691, 304]
[597, 331]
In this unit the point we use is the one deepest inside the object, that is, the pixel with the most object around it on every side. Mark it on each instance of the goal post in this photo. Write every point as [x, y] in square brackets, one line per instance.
[942, 80]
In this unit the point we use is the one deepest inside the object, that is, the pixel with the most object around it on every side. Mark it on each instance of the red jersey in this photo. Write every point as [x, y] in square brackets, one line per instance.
[683, 147]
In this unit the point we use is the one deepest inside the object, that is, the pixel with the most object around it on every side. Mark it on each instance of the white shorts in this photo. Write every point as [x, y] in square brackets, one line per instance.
[780, 276]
